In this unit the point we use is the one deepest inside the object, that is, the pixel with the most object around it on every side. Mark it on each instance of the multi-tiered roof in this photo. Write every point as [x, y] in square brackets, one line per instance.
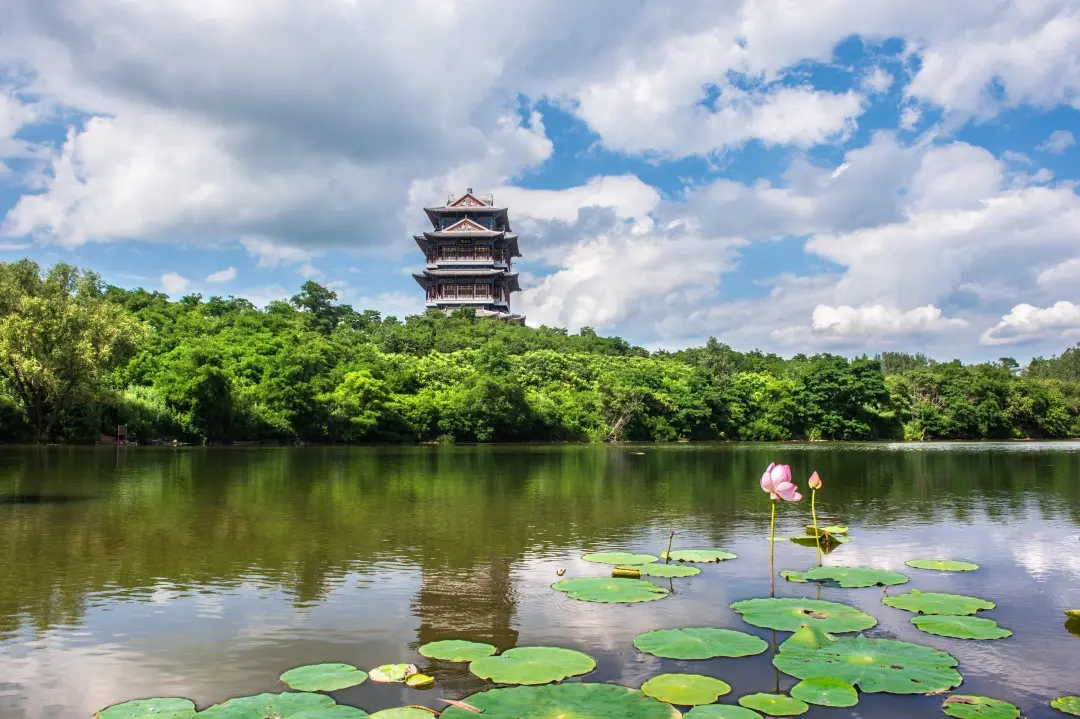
[469, 255]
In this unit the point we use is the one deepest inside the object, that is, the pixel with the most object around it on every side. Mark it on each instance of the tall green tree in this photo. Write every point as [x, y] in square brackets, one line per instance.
[59, 337]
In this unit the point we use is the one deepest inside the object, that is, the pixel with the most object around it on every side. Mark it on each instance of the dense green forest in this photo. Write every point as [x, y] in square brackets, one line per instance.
[78, 357]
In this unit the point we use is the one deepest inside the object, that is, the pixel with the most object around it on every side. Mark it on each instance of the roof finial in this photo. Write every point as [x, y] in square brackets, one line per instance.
[469, 190]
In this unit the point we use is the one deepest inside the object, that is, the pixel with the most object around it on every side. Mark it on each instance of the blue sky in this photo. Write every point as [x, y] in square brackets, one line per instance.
[828, 175]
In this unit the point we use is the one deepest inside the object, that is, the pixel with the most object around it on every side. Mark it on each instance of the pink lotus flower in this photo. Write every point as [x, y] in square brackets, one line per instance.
[815, 481]
[777, 482]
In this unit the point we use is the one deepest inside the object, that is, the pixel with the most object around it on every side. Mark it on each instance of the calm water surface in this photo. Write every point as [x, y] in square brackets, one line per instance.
[206, 573]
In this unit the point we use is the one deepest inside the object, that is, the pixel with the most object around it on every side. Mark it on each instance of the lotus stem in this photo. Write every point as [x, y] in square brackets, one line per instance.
[817, 534]
[772, 550]
[670, 538]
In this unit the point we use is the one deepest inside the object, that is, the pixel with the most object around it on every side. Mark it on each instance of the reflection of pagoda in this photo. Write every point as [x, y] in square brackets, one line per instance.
[477, 603]
[469, 256]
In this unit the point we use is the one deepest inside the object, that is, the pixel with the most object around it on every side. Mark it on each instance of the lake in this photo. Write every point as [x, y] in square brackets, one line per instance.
[206, 573]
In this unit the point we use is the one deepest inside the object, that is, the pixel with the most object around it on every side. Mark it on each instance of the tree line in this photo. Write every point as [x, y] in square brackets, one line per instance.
[78, 357]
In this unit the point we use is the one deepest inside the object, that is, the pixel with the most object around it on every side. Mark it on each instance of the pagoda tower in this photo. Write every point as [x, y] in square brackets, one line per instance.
[469, 254]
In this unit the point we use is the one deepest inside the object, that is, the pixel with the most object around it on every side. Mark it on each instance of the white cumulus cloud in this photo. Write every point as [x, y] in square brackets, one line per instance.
[226, 275]
[1059, 141]
[879, 320]
[174, 283]
[1026, 321]
[1060, 274]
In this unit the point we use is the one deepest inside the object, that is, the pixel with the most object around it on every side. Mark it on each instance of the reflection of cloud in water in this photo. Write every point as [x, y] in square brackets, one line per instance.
[56, 676]
[178, 643]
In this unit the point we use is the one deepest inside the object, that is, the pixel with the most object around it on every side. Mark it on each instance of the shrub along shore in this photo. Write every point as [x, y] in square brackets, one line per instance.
[78, 357]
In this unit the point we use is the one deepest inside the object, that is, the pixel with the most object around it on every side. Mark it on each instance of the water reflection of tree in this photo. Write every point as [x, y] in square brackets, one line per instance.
[73, 523]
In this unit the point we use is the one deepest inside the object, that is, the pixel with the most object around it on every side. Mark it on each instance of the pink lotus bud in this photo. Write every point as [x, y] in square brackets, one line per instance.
[815, 481]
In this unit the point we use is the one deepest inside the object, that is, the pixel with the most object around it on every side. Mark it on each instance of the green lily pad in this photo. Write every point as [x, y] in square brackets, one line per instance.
[533, 665]
[391, 673]
[833, 529]
[721, 711]
[698, 555]
[855, 577]
[1069, 705]
[323, 677]
[158, 707]
[577, 700]
[794, 576]
[960, 627]
[610, 590]
[619, 558]
[685, 689]
[787, 614]
[419, 681]
[285, 705]
[338, 711]
[405, 713]
[942, 565]
[774, 705]
[873, 665]
[937, 603]
[826, 692]
[969, 707]
[665, 571]
[456, 650]
[827, 542]
[699, 643]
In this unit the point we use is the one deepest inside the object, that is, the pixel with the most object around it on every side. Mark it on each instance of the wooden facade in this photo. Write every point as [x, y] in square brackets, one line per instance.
[469, 254]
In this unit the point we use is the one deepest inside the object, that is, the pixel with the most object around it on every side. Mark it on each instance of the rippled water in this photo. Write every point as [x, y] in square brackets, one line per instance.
[206, 573]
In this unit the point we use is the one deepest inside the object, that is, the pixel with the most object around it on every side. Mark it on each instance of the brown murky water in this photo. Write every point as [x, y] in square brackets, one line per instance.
[206, 573]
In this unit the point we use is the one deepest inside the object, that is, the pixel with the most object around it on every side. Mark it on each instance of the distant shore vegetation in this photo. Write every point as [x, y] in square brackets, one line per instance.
[79, 357]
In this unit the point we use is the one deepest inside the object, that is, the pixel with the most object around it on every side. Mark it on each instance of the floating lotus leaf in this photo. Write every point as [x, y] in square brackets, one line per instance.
[619, 558]
[158, 707]
[699, 643]
[1069, 705]
[937, 603]
[873, 665]
[721, 711]
[698, 555]
[969, 707]
[855, 577]
[575, 700]
[793, 576]
[774, 705]
[323, 677]
[827, 542]
[826, 692]
[831, 529]
[960, 627]
[391, 673]
[419, 681]
[338, 711]
[787, 614]
[610, 589]
[285, 705]
[665, 571]
[405, 713]
[1072, 613]
[456, 650]
[685, 689]
[533, 665]
[942, 565]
